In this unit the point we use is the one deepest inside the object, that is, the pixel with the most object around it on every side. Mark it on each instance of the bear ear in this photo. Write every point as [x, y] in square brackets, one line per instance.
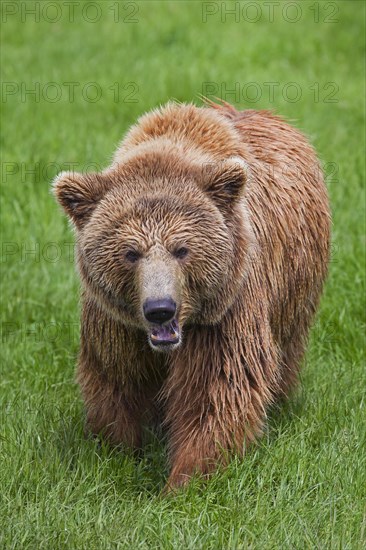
[225, 181]
[79, 194]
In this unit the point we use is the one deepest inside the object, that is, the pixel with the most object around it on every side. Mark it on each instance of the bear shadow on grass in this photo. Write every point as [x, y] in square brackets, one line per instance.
[284, 413]
[147, 468]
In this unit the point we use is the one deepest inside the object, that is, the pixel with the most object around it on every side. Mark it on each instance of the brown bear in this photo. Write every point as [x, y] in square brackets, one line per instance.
[207, 239]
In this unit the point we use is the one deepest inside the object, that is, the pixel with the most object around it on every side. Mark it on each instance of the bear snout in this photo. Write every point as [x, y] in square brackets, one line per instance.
[159, 311]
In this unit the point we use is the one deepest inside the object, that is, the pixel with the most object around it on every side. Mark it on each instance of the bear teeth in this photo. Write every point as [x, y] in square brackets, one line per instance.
[165, 333]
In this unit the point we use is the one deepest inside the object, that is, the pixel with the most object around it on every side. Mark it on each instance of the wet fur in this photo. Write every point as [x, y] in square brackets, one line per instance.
[260, 235]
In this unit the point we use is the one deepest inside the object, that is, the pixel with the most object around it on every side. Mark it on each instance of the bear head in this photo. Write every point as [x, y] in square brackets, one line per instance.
[162, 242]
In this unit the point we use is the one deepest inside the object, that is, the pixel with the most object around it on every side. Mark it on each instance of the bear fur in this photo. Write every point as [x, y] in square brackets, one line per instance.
[226, 214]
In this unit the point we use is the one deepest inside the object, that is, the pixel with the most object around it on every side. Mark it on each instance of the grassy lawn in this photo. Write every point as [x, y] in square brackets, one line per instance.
[71, 89]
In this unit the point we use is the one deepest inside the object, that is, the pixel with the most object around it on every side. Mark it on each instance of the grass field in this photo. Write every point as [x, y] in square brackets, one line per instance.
[303, 485]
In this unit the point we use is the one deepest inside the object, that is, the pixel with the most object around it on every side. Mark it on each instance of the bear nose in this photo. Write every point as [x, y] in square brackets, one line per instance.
[159, 311]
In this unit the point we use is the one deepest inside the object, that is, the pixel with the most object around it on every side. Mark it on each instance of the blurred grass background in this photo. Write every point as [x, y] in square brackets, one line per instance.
[303, 485]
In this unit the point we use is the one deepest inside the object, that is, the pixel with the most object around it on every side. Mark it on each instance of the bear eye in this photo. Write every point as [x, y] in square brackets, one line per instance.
[132, 256]
[180, 252]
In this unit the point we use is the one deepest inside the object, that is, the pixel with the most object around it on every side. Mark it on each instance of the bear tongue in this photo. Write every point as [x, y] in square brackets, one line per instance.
[165, 334]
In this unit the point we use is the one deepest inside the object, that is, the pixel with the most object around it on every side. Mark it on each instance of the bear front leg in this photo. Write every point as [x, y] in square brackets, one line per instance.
[205, 434]
[114, 378]
[111, 412]
[216, 395]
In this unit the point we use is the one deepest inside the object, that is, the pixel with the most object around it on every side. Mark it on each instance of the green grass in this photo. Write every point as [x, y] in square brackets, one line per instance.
[303, 485]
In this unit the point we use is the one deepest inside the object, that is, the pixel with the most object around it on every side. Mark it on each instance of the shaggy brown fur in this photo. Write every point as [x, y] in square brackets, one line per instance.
[226, 214]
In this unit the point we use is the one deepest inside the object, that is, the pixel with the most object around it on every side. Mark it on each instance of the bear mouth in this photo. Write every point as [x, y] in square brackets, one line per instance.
[164, 336]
